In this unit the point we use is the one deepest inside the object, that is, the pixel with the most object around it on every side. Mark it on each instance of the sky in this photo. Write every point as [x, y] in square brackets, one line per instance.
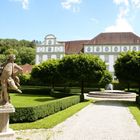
[67, 19]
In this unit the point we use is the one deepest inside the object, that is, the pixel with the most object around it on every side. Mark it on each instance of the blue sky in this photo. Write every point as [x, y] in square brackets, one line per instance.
[67, 19]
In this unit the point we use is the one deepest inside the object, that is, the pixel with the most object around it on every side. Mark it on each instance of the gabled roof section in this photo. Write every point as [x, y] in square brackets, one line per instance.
[74, 47]
[115, 38]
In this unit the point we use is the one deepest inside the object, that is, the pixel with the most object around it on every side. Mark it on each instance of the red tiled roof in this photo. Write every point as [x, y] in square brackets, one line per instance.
[27, 68]
[74, 47]
[112, 38]
[118, 38]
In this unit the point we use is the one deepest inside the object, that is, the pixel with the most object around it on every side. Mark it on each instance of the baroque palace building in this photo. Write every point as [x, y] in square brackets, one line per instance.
[50, 48]
[106, 45]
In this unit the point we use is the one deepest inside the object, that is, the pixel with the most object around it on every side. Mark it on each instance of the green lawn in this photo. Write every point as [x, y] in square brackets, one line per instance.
[51, 120]
[134, 109]
[24, 100]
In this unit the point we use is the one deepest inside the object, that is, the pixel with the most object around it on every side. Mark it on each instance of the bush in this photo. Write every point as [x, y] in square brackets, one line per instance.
[138, 100]
[58, 94]
[44, 90]
[118, 86]
[25, 79]
[29, 114]
[34, 91]
[123, 85]
[63, 90]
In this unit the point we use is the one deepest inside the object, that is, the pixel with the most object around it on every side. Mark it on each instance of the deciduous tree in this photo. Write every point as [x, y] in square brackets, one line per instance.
[82, 68]
[127, 67]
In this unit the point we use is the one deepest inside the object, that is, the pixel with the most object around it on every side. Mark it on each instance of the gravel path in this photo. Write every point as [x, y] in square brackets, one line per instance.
[103, 120]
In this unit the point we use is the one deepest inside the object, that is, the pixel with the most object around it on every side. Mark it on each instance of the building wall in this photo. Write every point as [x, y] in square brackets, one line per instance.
[49, 49]
[102, 45]
[109, 53]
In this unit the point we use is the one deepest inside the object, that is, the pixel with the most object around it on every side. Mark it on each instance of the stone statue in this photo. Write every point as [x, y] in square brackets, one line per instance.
[10, 79]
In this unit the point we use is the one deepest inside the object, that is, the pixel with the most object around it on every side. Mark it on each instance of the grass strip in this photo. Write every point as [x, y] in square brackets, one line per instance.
[134, 109]
[52, 120]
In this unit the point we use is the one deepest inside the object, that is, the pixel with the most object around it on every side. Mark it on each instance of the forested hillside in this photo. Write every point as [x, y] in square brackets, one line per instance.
[23, 49]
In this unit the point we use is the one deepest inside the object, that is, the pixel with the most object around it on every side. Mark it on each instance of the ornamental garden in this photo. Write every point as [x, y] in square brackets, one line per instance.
[56, 85]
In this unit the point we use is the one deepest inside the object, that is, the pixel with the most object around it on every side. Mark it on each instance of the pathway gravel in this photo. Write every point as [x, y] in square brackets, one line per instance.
[103, 120]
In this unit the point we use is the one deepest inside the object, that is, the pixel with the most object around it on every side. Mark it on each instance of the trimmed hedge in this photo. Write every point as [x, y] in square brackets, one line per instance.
[34, 91]
[138, 100]
[29, 114]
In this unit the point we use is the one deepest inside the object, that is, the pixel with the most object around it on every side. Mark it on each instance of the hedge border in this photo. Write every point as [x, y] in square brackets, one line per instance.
[138, 100]
[29, 114]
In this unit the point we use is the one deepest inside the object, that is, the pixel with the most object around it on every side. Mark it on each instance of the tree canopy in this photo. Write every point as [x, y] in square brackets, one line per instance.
[47, 72]
[82, 68]
[23, 49]
[127, 67]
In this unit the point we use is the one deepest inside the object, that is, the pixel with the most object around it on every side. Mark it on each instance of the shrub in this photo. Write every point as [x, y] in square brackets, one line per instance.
[58, 94]
[123, 85]
[118, 86]
[34, 91]
[127, 68]
[81, 68]
[138, 100]
[29, 114]
[25, 79]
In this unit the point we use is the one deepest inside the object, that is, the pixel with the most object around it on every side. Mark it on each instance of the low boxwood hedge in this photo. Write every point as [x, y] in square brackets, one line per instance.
[138, 100]
[29, 114]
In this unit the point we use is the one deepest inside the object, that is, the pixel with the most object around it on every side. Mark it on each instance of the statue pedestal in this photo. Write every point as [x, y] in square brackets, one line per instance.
[5, 132]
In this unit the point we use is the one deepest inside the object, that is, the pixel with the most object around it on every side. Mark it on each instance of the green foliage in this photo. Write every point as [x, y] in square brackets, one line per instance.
[25, 79]
[134, 109]
[59, 93]
[138, 100]
[6, 44]
[47, 72]
[118, 86]
[127, 67]
[106, 78]
[11, 51]
[23, 49]
[52, 120]
[29, 114]
[2, 58]
[26, 55]
[82, 68]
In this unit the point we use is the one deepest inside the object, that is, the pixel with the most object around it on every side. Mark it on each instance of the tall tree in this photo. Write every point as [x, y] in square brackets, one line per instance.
[127, 68]
[106, 78]
[82, 68]
[47, 72]
[26, 55]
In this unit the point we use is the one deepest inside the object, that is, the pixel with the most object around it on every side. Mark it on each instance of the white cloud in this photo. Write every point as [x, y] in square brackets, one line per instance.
[121, 25]
[128, 3]
[123, 12]
[25, 3]
[136, 3]
[127, 10]
[94, 20]
[71, 4]
[118, 2]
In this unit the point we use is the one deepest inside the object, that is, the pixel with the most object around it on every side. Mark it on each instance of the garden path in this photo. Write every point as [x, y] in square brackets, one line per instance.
[103, 120]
